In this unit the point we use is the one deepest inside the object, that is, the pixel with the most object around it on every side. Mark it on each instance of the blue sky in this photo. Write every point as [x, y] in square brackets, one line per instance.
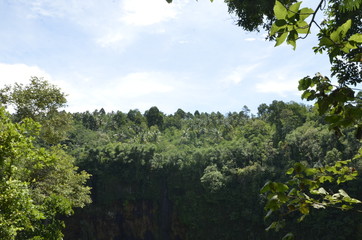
[135, 54]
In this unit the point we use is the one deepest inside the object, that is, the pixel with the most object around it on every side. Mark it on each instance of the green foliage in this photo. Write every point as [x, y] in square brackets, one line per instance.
[208, 166]
[213, 179]
[290, 22]
[154, 117]
[306, 189]
[340, 39]
[338, 104]
[17, 209]
[37, 184]
[41, 102]
[34, 100]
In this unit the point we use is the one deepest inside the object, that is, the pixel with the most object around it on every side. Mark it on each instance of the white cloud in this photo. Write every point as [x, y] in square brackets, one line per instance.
[56, 8]
[139, 84]
[110, 39]
[20, 73]
[100, 20]
[278, 87]
[146, 12]
[139, 90]
[238, 74]
[281, 82]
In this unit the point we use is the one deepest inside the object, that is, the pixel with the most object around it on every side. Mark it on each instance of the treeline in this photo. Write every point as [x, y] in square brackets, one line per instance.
[199, 175]
[183, 176]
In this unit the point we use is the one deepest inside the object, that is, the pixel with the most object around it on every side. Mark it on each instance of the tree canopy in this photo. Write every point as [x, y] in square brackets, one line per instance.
[37, 184]
[337, 97]
[42, 102]
[194, 176]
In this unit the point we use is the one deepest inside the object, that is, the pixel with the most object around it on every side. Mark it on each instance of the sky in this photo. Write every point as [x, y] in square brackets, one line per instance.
[135, 54]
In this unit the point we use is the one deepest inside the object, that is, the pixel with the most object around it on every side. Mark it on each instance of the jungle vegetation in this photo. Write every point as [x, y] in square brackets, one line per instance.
[289, 167]
[153, 175]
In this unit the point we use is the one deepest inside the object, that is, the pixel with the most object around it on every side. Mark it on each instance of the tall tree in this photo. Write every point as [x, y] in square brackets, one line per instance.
[42, 102]
[154, 117]
[37, 185]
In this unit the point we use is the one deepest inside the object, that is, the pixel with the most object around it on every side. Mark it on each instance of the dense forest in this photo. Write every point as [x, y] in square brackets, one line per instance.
[148, 175]
[199, 175]
[161, 176]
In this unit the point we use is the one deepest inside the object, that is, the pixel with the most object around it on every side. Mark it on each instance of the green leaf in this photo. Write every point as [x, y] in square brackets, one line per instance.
[319, 205]
[281, 38]
[326, 42]
[304, 83]
[343, 193]
[278, 26]
[346, 207]
[305, 13]
[290, 171]
[322, 105]
[292, 38]
[299, 167]
[311, 171]
[323, 179]
[293, 10]
[322, 191]
[311, 95]
[306, 94]
[338, 35]
[274, 29]
[301, 218]
[266, 187]
[271, 226]
[280, 11]
[282, 197]
[332, 169]
[353, 200]
[268, 214]
[292, 192]
[304, 209]
[302, 27]
[341, 179]
[281, 23]
[356, 38]
[348, 46]
[288, 236]
[281, 187]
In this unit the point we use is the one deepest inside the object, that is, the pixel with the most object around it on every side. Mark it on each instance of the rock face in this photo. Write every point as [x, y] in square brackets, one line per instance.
[135, 197]
[136, 220]
[120, 219]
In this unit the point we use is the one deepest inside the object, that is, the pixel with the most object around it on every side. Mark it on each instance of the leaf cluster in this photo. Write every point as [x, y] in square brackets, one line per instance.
[308, 188]
[290, 22]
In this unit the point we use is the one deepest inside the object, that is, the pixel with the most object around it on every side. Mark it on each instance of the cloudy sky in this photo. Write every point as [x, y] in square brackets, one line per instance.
[135, 54]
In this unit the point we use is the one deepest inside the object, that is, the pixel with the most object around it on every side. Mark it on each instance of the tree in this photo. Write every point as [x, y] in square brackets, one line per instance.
[37, 185]
[252, 14]
[154, 117]
[180, 114]
[135, 116]
[341, 39]
[40, 101]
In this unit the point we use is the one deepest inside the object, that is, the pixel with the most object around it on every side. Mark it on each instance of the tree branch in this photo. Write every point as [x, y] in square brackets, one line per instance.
[313, 17]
